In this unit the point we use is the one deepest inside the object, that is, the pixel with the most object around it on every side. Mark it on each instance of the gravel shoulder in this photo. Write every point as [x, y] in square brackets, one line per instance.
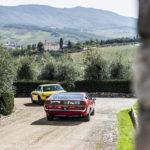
[28, 129]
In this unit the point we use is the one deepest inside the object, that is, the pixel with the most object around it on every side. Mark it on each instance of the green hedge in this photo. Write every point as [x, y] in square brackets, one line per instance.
[6, 103]
[114, 86]
[29, 86]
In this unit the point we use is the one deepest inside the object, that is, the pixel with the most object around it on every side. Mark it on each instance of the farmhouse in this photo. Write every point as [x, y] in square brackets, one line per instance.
[11, 45]
[51, 46]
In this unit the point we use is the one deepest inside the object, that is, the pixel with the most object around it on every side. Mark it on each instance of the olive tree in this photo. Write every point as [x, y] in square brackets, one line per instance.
[25, 69]
[7, 71]
[95, 65]
[48, 72]
[66, 69]
[119, 69]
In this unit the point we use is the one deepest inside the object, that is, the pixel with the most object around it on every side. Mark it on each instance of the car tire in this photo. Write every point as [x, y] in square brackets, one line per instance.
[33, 102]
[40, 101]
[93, 112]
[49, 117]
[87, 118]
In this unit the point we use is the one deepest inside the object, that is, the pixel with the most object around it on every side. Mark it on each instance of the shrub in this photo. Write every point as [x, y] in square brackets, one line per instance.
[95, 65]
[6, 103]
[25, 70]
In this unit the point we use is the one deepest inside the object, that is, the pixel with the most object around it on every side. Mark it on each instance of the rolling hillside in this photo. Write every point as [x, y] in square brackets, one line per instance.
[77, 23]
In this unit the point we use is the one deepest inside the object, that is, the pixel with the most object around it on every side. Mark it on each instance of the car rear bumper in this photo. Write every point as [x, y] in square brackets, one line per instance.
[66, 113]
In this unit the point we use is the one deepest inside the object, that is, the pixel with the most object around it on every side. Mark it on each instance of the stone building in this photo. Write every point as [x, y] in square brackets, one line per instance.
[49, 46]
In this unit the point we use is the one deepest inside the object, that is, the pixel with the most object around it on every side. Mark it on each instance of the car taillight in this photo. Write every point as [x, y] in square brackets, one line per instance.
[47, 106]
[81, 107]
[50, 107]
[58, 107]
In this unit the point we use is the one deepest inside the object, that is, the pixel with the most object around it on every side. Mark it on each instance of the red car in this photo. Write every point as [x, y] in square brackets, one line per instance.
[70, 104]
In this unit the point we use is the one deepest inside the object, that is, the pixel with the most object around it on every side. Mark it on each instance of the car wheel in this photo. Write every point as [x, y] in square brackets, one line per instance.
[87, 118]
[93, 112]
[49, 117]
[33, 102]
[40, 101]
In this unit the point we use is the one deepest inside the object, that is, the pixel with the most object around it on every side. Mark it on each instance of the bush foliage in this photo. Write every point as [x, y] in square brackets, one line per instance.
[6, 103]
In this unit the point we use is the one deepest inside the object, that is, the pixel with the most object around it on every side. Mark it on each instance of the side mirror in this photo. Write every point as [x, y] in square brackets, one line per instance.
[94, 98]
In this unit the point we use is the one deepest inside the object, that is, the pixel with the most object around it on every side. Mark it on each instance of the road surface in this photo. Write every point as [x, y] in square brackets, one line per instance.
[28, 129]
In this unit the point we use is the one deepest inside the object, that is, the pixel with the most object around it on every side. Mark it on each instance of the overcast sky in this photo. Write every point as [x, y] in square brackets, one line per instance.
[122, 7]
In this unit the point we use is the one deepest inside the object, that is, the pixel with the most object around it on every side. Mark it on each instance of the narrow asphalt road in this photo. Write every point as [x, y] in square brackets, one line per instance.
[28, 129]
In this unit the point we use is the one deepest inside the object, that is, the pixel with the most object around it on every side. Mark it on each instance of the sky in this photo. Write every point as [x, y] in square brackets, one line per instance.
[122, 7]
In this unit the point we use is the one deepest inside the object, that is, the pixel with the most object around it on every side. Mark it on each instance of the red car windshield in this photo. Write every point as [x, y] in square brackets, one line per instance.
[67, 97]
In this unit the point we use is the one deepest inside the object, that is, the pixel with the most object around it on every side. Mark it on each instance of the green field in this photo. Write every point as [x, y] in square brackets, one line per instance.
[109, 53]
[24, 35]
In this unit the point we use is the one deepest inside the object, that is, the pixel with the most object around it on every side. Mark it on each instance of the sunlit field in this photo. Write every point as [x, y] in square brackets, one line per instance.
[127, 53]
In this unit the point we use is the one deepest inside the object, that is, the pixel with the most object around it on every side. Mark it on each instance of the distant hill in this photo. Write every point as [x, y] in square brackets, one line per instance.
[78, 17]
[16, 21]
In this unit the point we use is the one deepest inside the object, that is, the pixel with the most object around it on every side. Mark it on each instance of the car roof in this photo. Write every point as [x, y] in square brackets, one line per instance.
[49, 84]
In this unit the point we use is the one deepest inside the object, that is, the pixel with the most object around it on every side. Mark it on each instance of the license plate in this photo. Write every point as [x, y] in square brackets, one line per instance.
[65, 108]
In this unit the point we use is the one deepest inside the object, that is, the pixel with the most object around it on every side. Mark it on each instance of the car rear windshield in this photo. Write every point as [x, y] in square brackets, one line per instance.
[52, 88]
[67, 97]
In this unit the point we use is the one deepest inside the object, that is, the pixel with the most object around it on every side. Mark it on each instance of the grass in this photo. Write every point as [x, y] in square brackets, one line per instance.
[109, 54]
[99, 145]
[126, 131]
[136, 107]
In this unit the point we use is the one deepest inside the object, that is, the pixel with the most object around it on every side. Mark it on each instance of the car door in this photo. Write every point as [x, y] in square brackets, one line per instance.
[91, 102]
[36, 93]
